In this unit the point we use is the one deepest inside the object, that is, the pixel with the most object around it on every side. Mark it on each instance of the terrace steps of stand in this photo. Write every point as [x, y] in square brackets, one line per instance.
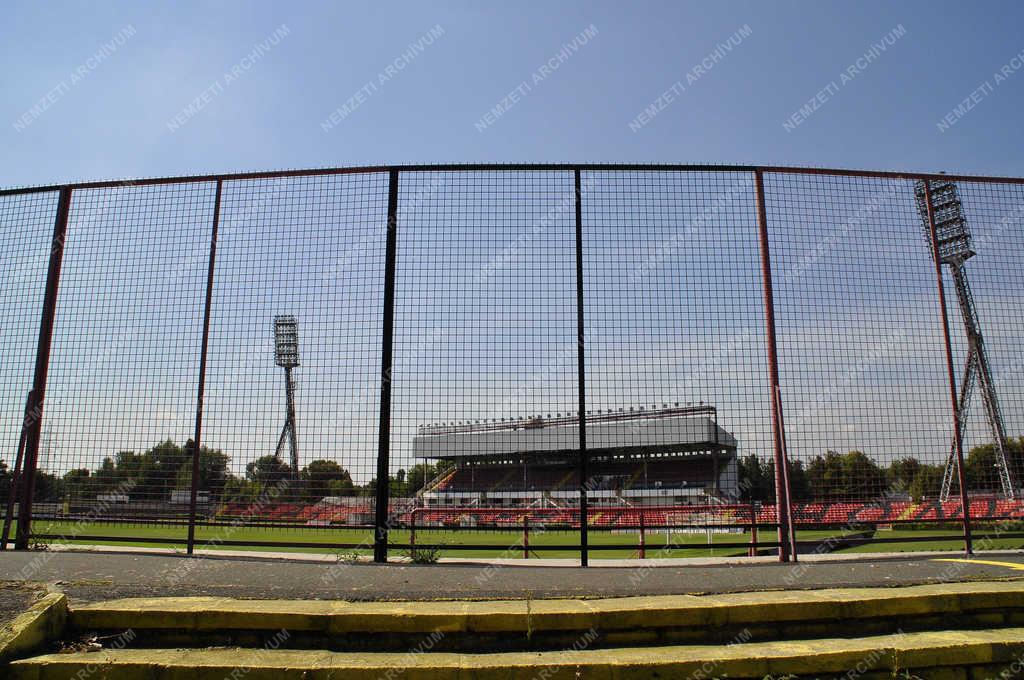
[959, 630]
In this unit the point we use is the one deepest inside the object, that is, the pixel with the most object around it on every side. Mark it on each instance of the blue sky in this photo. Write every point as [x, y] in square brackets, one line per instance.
[485, 304]
[113, 122]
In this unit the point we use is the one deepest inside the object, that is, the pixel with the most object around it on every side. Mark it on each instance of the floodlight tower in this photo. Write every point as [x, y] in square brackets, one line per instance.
[954, 249]
[286, 346]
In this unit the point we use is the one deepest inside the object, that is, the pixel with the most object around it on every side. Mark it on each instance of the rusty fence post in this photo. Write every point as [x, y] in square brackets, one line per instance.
[33, 422]
[781, 478]
[753, 531]
[383, 491]
[643, 536]
[201, 390]
[580, 378]
[790, 524]
[957, 438]
[412, 529]
[14, 486]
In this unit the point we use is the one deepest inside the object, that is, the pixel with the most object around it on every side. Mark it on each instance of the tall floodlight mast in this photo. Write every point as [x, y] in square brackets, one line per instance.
[954, 248]
[286, 350]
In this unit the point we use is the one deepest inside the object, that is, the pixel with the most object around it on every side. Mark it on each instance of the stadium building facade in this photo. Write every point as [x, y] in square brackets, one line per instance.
[658, 457]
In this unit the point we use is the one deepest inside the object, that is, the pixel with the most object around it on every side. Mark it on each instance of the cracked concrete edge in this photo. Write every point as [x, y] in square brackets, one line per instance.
[943, 653]
[42, 622]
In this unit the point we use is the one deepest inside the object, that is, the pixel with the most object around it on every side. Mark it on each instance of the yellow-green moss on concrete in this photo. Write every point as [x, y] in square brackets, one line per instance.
[42, 622]
[927, 654]
[618, 614]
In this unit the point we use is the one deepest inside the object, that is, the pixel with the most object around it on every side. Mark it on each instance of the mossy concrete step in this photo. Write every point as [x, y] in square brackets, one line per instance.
[550, 624]
[41, 623]
[950, 654]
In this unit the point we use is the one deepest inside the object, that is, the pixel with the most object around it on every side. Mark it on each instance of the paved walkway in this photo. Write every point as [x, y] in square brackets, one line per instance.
[88, 576]
[573, 562]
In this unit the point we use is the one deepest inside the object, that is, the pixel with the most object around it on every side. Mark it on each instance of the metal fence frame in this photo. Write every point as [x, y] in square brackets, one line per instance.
[785, 543]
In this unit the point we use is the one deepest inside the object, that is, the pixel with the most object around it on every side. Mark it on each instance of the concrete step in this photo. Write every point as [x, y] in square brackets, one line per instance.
[555, 624]
[963, 655]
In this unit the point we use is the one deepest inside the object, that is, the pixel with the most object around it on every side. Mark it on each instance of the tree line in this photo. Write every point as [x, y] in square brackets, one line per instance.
[167, 467]
[158, 472]
[854, 475]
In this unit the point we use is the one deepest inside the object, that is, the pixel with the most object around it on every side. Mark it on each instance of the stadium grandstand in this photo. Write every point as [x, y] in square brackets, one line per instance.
[667, 456]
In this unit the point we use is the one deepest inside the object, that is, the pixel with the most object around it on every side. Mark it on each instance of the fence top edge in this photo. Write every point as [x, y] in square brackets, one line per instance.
[509, 167]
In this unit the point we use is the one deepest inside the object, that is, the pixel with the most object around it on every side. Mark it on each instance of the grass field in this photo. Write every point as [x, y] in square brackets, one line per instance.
[953, 542]
[510, 542]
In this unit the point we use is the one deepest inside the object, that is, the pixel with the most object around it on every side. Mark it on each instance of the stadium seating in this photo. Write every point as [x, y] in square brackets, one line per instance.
[815, 513]
[667, 474]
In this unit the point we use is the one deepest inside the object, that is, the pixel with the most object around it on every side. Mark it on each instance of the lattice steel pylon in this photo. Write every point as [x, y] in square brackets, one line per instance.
[954, 249]
[286, 351]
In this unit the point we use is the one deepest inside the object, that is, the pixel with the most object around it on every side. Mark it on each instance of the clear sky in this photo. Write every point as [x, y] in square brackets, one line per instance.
[113, 122]
[485, 301]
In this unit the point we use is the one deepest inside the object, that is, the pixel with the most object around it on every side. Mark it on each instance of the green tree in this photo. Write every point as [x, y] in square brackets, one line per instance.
[799, 486]
[755, 479]
[982, 471]
[369, 490]
[267, 471]
[48, 487]
[926, 482]
[5, 481]
[849, 476]
[341, 487]
[902, 472]
[213, 470]
[1015, 452]
[238, 490]
[77, 484]
[160, 467]
[420, 474]
[319, 476]
[864, 477]
[106, 475]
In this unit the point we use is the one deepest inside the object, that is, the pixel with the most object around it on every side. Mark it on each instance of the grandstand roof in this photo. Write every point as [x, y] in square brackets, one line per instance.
[687, 429]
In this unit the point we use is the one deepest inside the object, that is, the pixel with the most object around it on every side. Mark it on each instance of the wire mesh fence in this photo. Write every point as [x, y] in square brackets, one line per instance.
[860, 337]
[987, 293]
[121, 387]
[296, 424]
[675, 345]
[26, 225]
[515, 360]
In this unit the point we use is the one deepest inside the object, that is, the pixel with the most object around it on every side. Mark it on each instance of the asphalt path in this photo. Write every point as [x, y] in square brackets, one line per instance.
[87, 576]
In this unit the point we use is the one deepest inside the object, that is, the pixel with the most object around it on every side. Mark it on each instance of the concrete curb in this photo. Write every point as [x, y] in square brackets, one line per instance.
[43, 621]
[990, 603]
[962, 654]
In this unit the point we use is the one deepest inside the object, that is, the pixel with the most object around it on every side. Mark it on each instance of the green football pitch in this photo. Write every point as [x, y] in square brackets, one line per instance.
[496, 543]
